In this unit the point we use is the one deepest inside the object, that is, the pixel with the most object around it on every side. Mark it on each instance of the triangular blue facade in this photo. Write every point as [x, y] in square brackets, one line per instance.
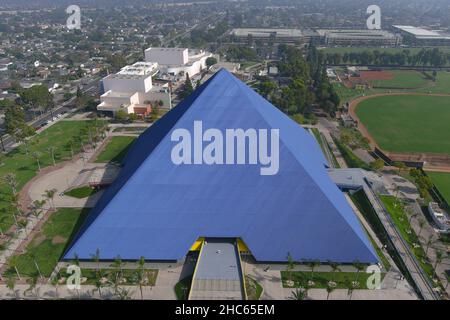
[157, 209]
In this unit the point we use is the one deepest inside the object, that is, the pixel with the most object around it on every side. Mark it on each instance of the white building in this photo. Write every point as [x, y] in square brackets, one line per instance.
[178, 61]
[439, 217]
[131, 89]
[167, 56]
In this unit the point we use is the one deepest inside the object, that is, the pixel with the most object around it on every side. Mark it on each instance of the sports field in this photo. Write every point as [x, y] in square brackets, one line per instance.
[402, 79]
[408, 123]
[343, 50]
[442, 181]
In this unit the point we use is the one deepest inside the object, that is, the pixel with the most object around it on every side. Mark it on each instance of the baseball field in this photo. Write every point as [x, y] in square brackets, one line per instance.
[400, 79]
[408, 123]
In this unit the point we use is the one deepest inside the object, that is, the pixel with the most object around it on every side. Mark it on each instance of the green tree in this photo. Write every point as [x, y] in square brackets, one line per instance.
[188, 88]
[11, 180]
[377, 165]
[52, 150]
[11, 285]
[50, 194]
[359, 267]
[210, 61]
[36, 156]
[299, 294]
[121, 115]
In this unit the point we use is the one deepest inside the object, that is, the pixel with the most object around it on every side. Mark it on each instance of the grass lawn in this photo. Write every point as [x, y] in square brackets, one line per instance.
[127, 276]
[49, 245]
[442, 84]
[253, 288]
[403, 79]
[408, 123]
[116, 149]
[442, 181]
[343, 279]
[24, 166]
[400, 219]
[81, 193]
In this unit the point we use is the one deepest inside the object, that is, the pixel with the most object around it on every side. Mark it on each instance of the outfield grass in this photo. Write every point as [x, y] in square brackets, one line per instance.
[24, 166]
[81, 193]
[48, 245]
[403, 79]
[442, 182]
[417, 124]
[116, 149]
[442, 84]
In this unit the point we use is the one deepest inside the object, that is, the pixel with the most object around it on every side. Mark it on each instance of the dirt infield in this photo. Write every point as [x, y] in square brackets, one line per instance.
[376, 75]
[432, 160]
[366, 78]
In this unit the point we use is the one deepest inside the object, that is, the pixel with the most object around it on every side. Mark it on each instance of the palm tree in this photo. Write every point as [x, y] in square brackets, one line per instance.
[22, 225]
[139, 279]
[334, 267]
[50, 194]
[52, 150]
[430, 241]
[123, 294]
[140, 275]
[33, 257]
[99, 282]
[330, 289]
[36, 155]
[313, 264]
[117, 274]
[11, 285]
[76, 260]
[10, 179]
[13, 263]
[118, 263]
[299, 294]
[439, 257]
[411, 215]
[69, 145]
[13, 213]
[36, 208]
[33, 281]
[397, 191]
[352, 285]
[15, 199]
[96, 259]
[421, 225]
[55, 282]
[359, 267]
[290, 266]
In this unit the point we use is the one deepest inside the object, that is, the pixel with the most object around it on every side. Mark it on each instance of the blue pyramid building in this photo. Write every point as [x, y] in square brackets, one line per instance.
[158, 209]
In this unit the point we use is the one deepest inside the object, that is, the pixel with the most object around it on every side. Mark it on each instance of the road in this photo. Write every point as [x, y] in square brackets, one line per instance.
[210, 19]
